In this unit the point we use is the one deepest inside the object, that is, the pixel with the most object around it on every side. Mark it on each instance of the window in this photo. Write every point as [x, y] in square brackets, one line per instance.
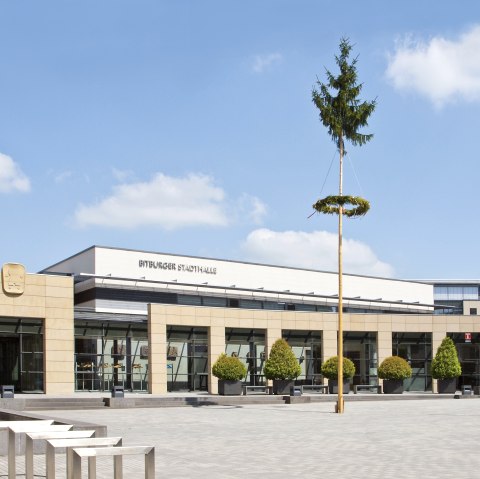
[21, 354]
[416, 348]
[307, 347]
[473, 311]
[446, 293]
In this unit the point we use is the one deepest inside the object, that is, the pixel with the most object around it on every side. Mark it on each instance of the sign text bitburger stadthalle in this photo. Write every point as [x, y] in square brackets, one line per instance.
[188, 268]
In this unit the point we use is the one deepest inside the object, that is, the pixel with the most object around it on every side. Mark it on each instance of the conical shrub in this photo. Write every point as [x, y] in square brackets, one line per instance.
[282, 363]
[445, 364]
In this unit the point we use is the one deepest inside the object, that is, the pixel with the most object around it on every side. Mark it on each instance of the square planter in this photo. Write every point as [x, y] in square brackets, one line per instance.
[447, 386]
[282, 386]
[393, 386]
[333, 386]
[229, 388]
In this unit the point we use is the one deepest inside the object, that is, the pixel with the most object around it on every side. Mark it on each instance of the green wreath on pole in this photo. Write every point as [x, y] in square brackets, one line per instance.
[331, 205]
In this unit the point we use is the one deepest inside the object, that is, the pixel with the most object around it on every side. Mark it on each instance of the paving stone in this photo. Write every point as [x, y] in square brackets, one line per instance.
[373, 439]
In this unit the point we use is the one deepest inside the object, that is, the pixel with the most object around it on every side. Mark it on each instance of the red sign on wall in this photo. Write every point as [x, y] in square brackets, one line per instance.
[468, 337]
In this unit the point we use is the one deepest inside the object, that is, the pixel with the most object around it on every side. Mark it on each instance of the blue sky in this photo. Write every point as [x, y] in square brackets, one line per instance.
[187, 127]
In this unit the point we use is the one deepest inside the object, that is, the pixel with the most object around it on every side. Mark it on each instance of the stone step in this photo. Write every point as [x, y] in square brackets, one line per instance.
[62, 406]
[45, 403]
[152, 402]
[63, 403]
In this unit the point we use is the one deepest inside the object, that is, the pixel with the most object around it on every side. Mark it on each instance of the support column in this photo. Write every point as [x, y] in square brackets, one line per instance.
[157, 351]
[329, 347]
[58, 339]
[216, 346]
[437, 338]
[384, 348]
[272, 333]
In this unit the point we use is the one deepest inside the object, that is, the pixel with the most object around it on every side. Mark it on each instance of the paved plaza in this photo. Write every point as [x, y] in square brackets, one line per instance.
[376, 439]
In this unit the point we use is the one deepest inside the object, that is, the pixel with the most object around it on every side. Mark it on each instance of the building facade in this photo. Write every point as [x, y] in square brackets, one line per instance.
[36, 326]
[156, 322]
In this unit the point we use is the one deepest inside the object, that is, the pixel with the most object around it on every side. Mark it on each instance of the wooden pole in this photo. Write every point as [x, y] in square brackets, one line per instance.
[340, 406]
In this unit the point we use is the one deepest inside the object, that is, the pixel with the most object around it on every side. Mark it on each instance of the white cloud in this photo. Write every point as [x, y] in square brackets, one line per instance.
[167, 202]
[262, 63]
[61, 177]
[11, 176]
[316, 250]
[442, 70]
[122, 175]
[251, 208]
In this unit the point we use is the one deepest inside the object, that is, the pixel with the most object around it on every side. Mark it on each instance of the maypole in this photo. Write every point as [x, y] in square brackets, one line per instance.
[343, 115]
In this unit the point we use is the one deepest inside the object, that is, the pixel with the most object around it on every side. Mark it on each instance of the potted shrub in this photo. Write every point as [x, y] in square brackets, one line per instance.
[393, 371]
[230, 371]
[282, 366]
[446, 367]
[330, 371]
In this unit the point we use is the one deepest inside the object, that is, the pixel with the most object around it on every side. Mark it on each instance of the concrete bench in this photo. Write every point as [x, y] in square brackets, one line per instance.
[263, 389]
[368, 387]
[69, 444]
[117, 453]
[20, 427]
[321, 388]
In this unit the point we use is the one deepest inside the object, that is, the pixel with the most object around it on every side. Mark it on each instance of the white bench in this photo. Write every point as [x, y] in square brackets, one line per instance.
[117, 453]
[20, 427]
[69, 444]
[368, 387]
[30, 437]
[263, 389]
[58, 433]
[321, 388]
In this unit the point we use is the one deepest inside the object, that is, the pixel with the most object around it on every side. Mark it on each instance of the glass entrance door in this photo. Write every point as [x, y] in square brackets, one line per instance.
[10, 361]
[111, 354]
[361, 348]
[416, 349]
[307, 347]
[187, 359]
[469, 357]
[21, 354]
[249, 346]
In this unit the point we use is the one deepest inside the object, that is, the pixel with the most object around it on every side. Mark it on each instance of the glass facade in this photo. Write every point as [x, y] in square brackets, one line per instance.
[138, 299]
[416, 349]
[361, 348]
[449, 293]
[307, 347]
[110, 353]
[469, 357]
[187, 358]
[452, 297]
[249, 346]
[21, 354]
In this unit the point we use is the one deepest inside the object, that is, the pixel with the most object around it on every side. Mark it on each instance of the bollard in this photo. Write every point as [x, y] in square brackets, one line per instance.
[467, 390]
[118, 392]
[295, 390]
[7, 392]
